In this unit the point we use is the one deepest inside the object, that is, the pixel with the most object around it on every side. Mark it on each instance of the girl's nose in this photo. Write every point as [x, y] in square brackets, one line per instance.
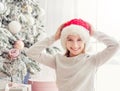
[75, 45]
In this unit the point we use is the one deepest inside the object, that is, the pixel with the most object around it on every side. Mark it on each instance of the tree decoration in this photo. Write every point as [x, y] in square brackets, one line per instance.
[14, 27]
[21, 26]
[18, 31]
[19, 44]
[13, 53]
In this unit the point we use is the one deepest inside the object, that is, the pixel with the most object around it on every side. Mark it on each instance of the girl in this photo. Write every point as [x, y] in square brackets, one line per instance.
[76, 69]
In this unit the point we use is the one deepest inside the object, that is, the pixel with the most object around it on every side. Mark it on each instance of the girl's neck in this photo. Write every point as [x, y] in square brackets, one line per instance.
[67, 54]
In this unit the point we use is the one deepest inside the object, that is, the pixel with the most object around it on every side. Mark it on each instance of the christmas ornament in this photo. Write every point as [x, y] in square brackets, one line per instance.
[19, 44]
[13, 53]
[14, 27]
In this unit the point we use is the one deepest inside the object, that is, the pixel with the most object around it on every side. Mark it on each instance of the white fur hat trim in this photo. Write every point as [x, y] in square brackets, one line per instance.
[74, 30]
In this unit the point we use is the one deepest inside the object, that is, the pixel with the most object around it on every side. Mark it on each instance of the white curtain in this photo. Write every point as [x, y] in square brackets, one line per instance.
[59, 11]
[103, 14]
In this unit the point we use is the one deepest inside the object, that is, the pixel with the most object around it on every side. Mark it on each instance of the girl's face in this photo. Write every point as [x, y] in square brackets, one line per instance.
[74, 45]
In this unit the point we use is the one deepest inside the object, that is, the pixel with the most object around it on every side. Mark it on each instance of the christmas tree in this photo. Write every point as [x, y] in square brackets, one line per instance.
[21, 25]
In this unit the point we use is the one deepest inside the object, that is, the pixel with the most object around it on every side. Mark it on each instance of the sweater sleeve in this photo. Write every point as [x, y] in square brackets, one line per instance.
[36, 52]
[110, 49]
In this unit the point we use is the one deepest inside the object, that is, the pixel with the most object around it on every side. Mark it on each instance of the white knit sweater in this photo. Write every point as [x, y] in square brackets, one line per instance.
[74, 73]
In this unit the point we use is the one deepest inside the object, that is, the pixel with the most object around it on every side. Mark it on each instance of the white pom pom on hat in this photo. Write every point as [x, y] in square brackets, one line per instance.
[75, 27]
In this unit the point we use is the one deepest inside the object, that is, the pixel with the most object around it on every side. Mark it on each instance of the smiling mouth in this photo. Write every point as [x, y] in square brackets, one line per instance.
[75, 49]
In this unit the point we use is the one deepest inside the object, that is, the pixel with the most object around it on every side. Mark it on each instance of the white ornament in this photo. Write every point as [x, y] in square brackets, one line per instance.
[14, 27]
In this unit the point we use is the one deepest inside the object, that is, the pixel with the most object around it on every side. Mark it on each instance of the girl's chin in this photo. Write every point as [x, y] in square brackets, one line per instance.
[75, 53]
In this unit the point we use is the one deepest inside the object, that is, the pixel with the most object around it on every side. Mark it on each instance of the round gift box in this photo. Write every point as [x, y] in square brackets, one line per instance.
[43, 86]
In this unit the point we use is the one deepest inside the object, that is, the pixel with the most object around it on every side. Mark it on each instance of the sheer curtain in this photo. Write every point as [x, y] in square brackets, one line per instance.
[104, 15]
[58, 11]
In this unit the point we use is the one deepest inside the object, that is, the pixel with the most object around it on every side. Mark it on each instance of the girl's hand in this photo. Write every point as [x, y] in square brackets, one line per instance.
[58, 33]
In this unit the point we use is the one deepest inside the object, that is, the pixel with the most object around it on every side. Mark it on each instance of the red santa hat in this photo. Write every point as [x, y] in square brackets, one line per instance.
[75, 27]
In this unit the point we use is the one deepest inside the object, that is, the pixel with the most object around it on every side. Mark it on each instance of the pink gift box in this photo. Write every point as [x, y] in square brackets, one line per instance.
[43, 86]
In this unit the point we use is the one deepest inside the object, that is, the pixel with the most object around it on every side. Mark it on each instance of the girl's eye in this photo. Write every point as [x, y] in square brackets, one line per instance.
[79, 40]
[69, 39]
